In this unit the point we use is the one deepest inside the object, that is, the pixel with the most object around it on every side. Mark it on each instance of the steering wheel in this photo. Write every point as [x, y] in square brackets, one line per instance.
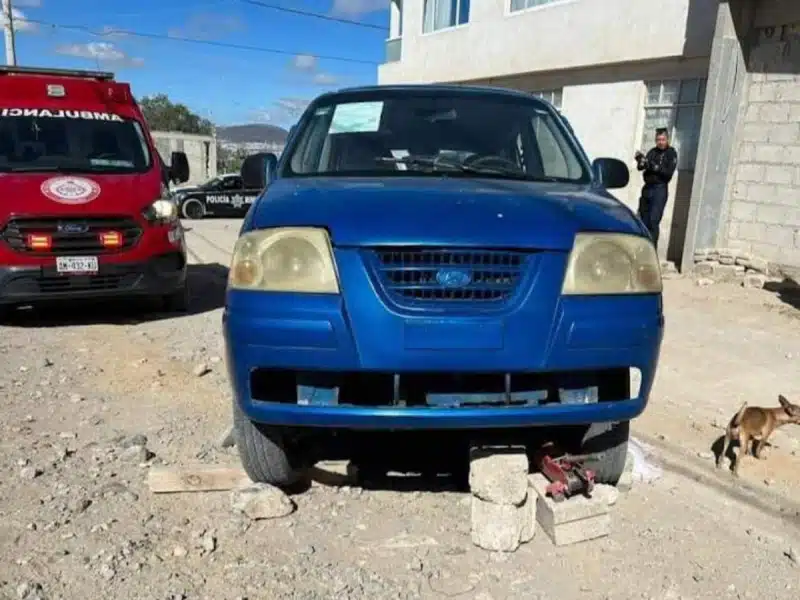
[491, 160]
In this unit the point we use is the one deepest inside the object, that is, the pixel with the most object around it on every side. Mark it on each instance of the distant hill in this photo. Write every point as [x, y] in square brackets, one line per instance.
[252, 133]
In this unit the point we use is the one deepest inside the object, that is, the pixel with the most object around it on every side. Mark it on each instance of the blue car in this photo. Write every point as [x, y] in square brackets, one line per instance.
[438, 259]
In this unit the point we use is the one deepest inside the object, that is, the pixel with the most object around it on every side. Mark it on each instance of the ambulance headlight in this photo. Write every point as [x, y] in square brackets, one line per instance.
[161, 211]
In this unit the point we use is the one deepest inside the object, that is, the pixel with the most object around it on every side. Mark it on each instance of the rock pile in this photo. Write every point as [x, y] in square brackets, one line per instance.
[716, 265]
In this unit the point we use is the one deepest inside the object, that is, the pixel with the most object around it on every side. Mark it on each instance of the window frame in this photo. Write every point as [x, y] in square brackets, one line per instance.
[455, 25]
[512, 12]
[684, 164]
[551, 93]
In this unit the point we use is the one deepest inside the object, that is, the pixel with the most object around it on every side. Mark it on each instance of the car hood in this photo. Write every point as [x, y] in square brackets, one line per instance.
[444, 211]
[39, 193]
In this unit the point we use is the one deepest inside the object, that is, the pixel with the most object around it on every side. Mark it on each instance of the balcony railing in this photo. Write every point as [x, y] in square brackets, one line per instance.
[394, 49]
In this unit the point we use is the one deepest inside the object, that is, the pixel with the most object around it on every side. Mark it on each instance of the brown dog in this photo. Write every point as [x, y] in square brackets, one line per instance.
[753, 423]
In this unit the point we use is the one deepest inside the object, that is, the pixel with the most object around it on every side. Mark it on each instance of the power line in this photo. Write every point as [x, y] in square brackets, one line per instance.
[314, 15]
[188, 40]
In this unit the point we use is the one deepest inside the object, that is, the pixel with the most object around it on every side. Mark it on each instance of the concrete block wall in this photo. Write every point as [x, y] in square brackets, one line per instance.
[764, 210]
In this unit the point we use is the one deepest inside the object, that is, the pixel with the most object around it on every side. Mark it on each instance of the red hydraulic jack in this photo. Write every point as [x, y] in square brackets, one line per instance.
[566, 474]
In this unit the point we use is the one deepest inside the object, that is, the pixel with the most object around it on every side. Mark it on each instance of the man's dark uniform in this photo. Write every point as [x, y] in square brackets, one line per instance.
[659, 167]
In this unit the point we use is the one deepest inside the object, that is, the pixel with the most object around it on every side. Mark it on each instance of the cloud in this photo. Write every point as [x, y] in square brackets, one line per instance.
[101, 52]
[112, 33]
[354, 8]
[305, 62]
[284, 111]
[21, 23]
[307, 67]
[206, 26]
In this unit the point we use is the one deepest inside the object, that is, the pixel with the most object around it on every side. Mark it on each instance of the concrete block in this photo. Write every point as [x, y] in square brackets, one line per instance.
[705, 269]
[499, 474]
[625, 482]
[574, 520]
[498, 527]
[729, 273]
[528, 516]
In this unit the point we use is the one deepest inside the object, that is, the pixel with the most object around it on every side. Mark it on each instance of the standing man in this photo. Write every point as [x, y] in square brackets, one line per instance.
[659, 166]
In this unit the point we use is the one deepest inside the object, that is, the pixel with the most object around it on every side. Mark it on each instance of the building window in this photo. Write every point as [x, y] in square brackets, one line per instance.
[552, 96]
[441, 14]
[523, 4]
[676, 104]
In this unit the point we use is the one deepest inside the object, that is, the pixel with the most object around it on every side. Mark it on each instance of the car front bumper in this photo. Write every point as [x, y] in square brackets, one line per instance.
[157, 275]
[318, 335]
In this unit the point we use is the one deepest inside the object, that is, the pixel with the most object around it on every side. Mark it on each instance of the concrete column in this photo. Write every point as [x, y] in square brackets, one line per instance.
[726, 88]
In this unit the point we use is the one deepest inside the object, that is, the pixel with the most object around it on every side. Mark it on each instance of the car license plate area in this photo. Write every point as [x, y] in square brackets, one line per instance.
[77, 265]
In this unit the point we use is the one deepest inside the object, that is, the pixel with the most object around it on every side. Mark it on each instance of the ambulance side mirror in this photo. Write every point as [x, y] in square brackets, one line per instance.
[179, 167]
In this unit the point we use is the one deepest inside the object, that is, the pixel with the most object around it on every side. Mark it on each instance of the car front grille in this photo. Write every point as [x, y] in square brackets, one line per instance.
[71, 236]
[421, 275]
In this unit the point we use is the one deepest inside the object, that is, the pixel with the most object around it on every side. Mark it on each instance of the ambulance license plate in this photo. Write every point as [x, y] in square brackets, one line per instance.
[76, 264]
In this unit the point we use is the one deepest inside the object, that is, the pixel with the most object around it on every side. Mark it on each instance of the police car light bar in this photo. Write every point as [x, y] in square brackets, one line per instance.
[98, 75]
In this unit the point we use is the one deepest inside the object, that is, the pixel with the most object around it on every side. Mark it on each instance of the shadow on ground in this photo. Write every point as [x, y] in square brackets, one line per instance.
[207, 293]
[788, 291]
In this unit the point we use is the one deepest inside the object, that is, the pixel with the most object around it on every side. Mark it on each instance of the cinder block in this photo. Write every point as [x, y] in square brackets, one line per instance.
[497, 527]
[528, 516]
[625, 482]
[573, 520]
[499, 474]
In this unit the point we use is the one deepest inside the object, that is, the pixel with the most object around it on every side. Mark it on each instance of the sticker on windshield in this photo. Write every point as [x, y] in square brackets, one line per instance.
[357, 117]
[43, 113]
[70, 190]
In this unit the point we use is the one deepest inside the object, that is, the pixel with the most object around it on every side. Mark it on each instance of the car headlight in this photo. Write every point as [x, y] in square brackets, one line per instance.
[292, 259]
[612, 263]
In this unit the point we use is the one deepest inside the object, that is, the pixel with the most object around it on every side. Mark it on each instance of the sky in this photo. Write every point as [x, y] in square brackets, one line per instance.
[143, 43]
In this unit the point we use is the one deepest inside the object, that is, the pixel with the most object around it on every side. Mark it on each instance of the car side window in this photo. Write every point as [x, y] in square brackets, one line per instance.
[232, 183]
[556, 161]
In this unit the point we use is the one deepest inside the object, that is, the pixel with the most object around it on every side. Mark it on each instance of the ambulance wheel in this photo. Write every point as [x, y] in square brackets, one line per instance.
[193, 209]
[177, 301]
[265, 452]
[606, 445]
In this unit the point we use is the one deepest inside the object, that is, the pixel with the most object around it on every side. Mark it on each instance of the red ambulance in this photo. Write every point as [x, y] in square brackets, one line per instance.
[85, 207]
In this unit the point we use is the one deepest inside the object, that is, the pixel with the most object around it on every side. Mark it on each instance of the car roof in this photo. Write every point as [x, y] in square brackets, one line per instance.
[435, 88]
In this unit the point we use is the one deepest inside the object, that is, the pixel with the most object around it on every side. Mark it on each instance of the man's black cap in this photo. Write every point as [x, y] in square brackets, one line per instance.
[662, 131]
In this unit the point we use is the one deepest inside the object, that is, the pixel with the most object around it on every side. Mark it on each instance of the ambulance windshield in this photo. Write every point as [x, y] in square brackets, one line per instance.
[88, 142]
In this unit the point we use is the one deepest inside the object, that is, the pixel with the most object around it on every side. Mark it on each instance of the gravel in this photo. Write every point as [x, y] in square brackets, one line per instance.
[84, 421]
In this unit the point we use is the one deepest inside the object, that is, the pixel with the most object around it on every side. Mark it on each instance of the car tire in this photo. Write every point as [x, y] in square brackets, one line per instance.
[264, 452]
[606, 445]
[193, 209]
[177, 301]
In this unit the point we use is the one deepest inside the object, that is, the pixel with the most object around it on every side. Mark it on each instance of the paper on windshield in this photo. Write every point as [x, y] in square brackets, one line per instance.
[357, 117]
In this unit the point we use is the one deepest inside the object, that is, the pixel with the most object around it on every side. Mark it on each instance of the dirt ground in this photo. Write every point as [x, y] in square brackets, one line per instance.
[83, 392]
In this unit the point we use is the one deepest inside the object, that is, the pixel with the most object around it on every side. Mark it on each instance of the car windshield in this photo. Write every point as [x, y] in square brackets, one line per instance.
[212, 183]
[72, 144]
[395, 133]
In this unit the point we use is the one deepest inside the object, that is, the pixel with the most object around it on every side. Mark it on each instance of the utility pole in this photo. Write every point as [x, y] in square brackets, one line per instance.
[8, 22]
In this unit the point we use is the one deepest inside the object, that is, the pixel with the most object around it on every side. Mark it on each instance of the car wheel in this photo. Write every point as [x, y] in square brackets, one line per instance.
[193, 209]
[606, 445]
[177, 301]
[264, 452]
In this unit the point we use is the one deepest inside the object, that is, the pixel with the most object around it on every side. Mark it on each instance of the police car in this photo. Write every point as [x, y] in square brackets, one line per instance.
[223, 196]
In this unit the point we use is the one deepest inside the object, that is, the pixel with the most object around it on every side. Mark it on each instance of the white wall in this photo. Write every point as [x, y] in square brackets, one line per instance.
[563, 35]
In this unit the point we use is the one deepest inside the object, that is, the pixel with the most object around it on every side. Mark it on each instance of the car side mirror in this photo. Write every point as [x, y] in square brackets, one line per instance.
[259, 170]
[611, 173]
[179, 167]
